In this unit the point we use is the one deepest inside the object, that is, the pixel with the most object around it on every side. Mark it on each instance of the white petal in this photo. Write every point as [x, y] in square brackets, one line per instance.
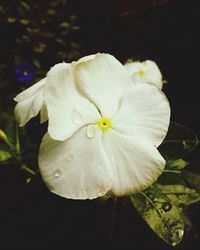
[67, 109]
[27, 93]
[151, 71]
[76, 168]
[136, 163]
[133, 68]
[103, 80]
[144, 112]
[43, 114]
[85, 58]
[29, 107]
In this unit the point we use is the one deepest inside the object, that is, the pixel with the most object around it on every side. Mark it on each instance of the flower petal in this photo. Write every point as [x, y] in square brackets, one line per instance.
[29, 92]
[67, 109]
[85, 58]
[43, 114]
[76, 168]
[144, 112]
[145, 72]
[100, 78]
[29, 107]
[136, 163]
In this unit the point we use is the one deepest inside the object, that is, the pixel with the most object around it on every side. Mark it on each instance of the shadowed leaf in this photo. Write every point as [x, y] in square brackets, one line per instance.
[179, 142]
[163, 217]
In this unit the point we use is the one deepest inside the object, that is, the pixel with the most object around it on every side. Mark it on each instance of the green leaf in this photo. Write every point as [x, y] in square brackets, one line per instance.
[179, 142]
[163, 217]
[9, 126]
[10, 146]
[193, 179]
[180, 195]
[4, 155]
[176, 164]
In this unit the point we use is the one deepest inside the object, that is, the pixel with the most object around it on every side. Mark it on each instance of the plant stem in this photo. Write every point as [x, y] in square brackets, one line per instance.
[151, 202]
[24, 167]
[17, 141]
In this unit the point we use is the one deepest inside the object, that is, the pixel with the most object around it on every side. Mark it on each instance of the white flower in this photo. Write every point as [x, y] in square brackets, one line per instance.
[31, 101]
[103, 131]
[145, 72]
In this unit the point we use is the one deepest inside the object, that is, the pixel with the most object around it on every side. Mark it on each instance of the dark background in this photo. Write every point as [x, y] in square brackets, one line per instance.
[164, 31]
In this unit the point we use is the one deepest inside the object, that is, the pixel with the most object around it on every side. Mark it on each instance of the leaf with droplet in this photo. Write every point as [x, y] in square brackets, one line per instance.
[163, 217]
[179, 142]
[180, 195]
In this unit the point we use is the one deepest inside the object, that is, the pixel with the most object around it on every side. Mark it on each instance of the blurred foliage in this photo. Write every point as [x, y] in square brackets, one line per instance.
[43, 30]
[17, 146]
[35, 35]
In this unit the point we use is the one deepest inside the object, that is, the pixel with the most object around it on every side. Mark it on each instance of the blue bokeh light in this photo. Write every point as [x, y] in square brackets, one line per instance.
[25, 72]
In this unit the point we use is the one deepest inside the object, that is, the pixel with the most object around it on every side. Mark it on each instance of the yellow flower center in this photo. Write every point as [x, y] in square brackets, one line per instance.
[104, 123]
[141, 72]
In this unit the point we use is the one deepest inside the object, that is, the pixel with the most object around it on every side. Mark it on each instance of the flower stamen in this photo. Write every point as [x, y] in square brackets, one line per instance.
[104, 123]
[140, 72]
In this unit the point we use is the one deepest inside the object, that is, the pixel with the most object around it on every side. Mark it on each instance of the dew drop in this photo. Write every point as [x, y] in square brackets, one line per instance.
[57, 173]
[90, 131]
[181, 206]
[76, 117]
[70, 157]
[166, 206]
[178, 235]
[175, 231]
[187, 145]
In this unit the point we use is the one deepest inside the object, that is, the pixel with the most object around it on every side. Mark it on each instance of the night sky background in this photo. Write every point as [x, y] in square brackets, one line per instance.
[166, 32]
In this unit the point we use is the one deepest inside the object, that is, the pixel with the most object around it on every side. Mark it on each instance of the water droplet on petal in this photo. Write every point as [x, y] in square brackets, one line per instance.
[70, 157]
[57, 173]
[166, 206]
[76, 117]
[90, 131]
